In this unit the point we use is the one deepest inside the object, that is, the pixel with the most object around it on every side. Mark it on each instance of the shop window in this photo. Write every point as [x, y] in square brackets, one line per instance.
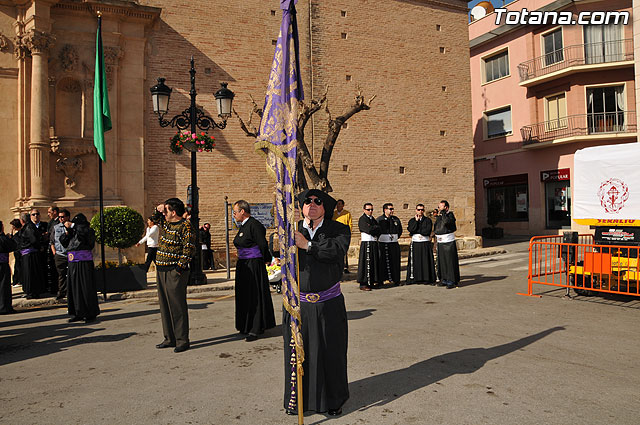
[558, 204]
[512, 193]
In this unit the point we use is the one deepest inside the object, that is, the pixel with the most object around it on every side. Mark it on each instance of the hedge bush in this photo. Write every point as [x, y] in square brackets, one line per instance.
[123, 227]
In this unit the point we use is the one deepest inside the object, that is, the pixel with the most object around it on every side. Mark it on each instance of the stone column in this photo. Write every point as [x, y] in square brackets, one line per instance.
[39, 44]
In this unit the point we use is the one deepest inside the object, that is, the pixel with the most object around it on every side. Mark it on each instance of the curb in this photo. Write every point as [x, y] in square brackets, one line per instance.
[23, 303]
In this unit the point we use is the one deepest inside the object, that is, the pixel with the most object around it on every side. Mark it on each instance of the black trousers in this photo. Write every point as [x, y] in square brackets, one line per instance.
[151, 256]
[172, 296]
[61, 267]
[207, 259]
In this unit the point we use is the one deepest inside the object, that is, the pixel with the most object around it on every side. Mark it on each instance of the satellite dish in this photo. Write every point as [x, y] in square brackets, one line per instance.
[478, 12]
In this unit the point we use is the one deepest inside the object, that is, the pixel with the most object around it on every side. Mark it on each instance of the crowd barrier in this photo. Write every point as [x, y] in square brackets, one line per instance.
[585, 267]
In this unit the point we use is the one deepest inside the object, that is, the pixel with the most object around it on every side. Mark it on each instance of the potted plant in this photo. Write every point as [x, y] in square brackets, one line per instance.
[193, 142]
[494, 215]
[123, 227]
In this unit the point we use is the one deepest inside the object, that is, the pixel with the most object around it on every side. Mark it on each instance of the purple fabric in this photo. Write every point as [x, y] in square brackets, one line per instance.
[251, 252]
[27, 251]
[4, 257]
[77, 256]
[322, 296]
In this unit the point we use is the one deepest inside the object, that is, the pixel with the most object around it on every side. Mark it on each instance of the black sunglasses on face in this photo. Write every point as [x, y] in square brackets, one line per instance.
[316, 201]
[35, 213]
[368, 209]
[419, 209]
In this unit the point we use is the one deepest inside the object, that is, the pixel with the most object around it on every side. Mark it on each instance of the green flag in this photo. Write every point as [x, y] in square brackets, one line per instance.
[101, 114]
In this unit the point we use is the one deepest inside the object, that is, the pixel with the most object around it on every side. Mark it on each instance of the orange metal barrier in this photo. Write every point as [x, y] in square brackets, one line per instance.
[583, 266]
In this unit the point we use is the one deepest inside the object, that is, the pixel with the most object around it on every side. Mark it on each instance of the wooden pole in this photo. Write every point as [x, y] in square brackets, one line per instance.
[299, 369]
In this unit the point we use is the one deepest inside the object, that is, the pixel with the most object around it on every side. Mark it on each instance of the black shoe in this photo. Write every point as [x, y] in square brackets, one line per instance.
[251, 338]
[291, 412]
[181, 348]
[74, 319]
[335, 412]
[165, 344]
[89, 320]
[451, 286]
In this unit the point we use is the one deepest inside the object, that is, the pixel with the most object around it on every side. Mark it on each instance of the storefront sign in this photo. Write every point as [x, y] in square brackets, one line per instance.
[505, 181]
[555, 175]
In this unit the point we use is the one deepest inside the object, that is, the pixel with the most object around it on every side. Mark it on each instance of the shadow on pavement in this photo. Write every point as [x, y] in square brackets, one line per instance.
[625, 301]
[360, 314]
[478, 278]
[32, 342]
[379, 390]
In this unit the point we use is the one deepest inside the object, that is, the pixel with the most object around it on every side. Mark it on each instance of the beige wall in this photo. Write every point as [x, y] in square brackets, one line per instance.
[391, 50]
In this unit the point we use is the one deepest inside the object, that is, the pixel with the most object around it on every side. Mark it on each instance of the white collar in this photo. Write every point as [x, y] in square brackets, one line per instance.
[312, 232]
[244, 221]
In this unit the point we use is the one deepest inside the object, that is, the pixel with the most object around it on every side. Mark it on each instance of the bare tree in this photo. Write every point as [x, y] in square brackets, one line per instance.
[312, 177]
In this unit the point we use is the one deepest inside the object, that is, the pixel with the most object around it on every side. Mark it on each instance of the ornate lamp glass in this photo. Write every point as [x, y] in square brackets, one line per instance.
[160, 94]
[224, 99]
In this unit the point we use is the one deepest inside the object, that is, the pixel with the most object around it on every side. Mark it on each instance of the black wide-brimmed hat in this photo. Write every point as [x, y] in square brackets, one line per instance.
[327, 201]
[80, 219]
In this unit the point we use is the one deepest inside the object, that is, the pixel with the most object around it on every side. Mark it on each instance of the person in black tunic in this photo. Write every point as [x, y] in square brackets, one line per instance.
[390, 231]
[448, 266]
[420, 267]
[7, 245]
[254, 307]
[16, 225]
[369, 259]
[33, 276]
[322, 244]
[82, 296]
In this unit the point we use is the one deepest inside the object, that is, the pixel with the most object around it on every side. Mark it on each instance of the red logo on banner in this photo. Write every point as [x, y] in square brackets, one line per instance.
[613, 194]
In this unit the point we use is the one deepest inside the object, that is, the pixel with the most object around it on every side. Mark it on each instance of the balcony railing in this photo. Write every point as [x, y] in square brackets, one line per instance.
[579, 125]
[580, 54]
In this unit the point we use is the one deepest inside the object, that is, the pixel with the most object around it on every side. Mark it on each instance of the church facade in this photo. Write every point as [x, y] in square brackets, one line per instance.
[413, 146]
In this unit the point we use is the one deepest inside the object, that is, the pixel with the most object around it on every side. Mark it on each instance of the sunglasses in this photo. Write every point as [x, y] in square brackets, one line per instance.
[368, 209]
[316, 201]
[62, 216]
[35, 213]
[419, 209]
[390, 209]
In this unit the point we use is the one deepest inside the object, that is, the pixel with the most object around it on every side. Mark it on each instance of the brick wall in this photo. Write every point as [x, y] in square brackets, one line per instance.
[420, 119]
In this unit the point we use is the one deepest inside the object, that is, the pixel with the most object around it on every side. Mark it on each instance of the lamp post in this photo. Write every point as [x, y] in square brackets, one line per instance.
[192, 118]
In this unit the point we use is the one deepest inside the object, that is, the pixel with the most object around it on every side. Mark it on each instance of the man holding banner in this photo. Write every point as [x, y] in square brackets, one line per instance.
[322, 244]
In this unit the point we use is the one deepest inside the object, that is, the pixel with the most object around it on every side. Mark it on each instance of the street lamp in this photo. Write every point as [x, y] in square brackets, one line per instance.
[192, 118]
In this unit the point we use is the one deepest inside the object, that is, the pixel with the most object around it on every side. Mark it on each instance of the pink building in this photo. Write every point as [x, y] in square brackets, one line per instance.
[539, 93]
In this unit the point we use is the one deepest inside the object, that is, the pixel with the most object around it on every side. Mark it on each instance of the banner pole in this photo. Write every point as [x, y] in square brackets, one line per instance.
[102, 235]
[299, 369]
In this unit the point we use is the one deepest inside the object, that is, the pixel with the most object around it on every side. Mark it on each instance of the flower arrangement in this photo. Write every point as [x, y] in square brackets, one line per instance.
[192, 141]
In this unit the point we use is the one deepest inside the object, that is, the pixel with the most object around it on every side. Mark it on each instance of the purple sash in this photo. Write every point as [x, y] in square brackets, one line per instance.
[322, 296]
[4, 257]
[27, 251]
[77, 256]
[251, 252]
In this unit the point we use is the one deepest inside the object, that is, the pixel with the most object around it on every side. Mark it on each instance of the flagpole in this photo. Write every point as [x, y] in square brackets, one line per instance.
[102, 269]
[299, 369]
[99, 64]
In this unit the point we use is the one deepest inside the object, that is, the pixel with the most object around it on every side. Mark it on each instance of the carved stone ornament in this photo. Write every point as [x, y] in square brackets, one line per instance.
[20, 49]
[69, 85]
[71, 146]
[68, 58]
[69, 166]
[39, 41]
[111, 57]
[5, 44]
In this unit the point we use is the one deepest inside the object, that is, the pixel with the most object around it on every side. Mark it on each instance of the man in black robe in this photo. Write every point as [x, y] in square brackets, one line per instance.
[29, 240]
[7, 245]
[420, 267]
[390, 231]
[448, 266]
[42, 228]
[254, 307]
[82, 295]
[205, 240]
[322, 244]
[369, 260]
